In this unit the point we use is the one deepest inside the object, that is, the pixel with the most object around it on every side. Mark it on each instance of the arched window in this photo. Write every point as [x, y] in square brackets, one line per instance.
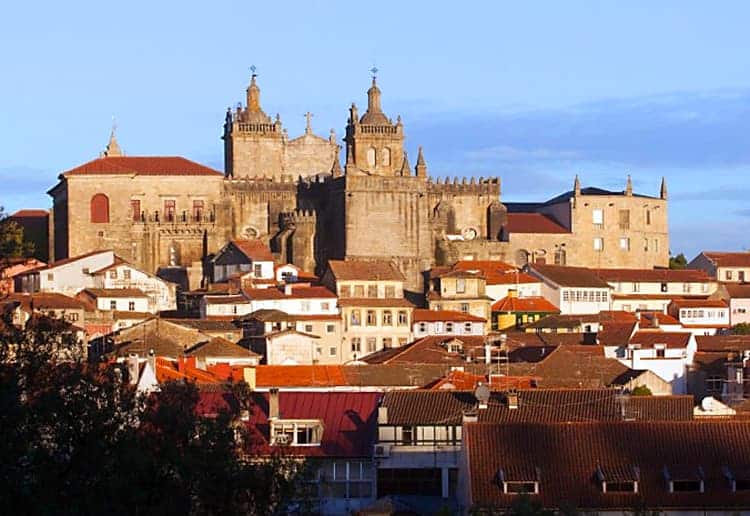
[371, 156]
[385, 159]
[99, 208]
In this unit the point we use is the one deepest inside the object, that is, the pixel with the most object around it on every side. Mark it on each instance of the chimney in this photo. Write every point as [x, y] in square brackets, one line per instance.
[133, 368]
[273, 403]
[469, 416]
[382, 415]
[248, 374]
[512, 398]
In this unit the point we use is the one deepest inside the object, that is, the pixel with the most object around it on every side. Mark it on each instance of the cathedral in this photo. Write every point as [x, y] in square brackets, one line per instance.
[295, 194]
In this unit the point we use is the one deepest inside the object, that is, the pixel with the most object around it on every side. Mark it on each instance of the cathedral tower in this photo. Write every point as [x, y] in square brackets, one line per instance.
[374, 142]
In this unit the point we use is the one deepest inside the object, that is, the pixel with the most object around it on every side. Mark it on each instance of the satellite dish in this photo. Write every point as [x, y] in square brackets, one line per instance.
[482, 393]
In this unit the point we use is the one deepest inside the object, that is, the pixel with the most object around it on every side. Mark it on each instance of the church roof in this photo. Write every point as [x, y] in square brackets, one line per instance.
[143, 166]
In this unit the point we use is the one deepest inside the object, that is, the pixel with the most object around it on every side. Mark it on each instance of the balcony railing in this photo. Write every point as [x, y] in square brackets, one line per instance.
[179, 218]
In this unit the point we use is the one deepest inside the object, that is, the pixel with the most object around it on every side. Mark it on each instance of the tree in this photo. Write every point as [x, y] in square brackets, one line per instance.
[12, 243]
[76, 439]
[741, 329]
[678, 262]
[641, 390]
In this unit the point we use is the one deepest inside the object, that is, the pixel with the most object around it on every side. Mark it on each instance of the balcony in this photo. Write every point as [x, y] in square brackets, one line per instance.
[175, 219]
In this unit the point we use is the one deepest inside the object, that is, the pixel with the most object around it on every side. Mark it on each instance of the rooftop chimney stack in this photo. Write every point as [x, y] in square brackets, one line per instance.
[512, 400]
[273, 403]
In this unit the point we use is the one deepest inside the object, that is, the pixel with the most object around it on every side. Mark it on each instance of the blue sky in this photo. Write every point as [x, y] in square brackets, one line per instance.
[533, 92]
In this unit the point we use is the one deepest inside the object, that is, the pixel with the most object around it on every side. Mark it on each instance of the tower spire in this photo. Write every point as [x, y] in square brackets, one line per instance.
[113, 148]
[663, 191]
[629, 186]
[577, 186]
[253, 93]
[421, 168]
[349, 168]
[336, 168]
[405, 168]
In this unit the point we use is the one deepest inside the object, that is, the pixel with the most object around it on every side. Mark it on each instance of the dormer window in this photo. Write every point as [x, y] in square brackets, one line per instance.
[523, 481]
[454, 346]
[682, 479]
[294, 432]
[614, 479]
[738, 478]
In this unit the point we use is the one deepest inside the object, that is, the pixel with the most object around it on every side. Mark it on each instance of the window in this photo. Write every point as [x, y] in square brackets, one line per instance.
[464, 307]
[332, 351]
[620, 487]
[131, 306]
[387, 318]
[598, 244]
[645, 244]
[170, 207]
[387, 342]
[422, 327]
[656, 245]
[356, 318]
[50, 276]
[359, 291]
[295, 433]
[686, 287]
[403, 318]
[648, 216]
[598, 217]
[664, 287]
[305, 305]
[113, 274]
[390, 291]
[99, 209]
[686, 486]
[330, 328]
[72, 317]
[126, 274]
[345, 291]
[356, 345]
[197, 210]
[728, 275]
[372, 344]
[112, 304]
[660, 352]
[636, 287]
[460, 286]
[520, 487]
[449, 327]
[372, 318]
[308, 328]
[566, 295]
[257, 270]
[386, 157]
[135, 209]
[624, 219]
[467, 327]
[625, 243]
[408, 435]
[371, 156]
[372, 291]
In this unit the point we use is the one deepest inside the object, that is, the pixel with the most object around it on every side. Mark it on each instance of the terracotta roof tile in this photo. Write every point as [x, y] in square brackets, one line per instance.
[567, 456]
[570, 276]
[654, 275]
[729, 259]
[143, 166]
[29, 213]
[532, 223]
[424, 315]
[46, 300]
[115, 292]
[723, 343]
[218, 347]
[699, 303]
[370, 270]
[254, 250]
[431, 350]
[738, 290]
[524, 304]
[670, 339]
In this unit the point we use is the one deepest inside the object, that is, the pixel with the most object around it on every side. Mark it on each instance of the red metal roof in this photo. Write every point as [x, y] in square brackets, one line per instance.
[532, 223]
[143, 166]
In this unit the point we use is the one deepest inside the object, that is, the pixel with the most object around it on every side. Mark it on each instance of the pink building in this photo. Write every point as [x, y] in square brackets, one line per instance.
[738, 297]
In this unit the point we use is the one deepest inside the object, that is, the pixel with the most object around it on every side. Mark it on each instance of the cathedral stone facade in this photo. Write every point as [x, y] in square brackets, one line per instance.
[296, 195]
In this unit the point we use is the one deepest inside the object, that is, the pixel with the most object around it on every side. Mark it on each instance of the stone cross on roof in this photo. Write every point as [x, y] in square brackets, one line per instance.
[308, 123]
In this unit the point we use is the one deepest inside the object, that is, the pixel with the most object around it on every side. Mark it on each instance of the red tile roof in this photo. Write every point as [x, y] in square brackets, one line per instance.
[654, 275]
[370, 270]
[424, 315]
[524, 304]
[671, 339]
[699, 303]
[723, 342]
[29, 214]
[254, 250]
[457, 380]
[570, 276]
[299, 376]
[729, 259]
[430, 350]
[738, 290]
[46, 300]
[348, 421]
[567, 455]
[143, 166]
[532, 223]
[115, 292]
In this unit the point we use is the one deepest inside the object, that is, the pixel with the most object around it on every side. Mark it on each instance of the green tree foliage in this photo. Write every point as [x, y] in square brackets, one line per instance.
[12, 244]
[678, 262]
[641, 390]
[526, 506]
[75, 439]
[741, 329]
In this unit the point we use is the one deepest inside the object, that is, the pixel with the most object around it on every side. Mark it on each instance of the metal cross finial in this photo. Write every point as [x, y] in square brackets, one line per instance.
[374, 71]
[253, 69]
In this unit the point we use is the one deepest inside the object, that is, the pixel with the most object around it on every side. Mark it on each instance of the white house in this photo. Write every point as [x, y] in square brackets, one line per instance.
[666, 354]
[292, 299]
[574, 290]
[501, 277]
[161, 294]
[653, 289]
[68, 276]
[446, 322]
[239, 256]
[702, 317]
[116, 299]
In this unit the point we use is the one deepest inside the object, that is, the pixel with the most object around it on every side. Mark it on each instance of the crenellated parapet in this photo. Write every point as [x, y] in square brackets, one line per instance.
[297, 218]
[488, 186]
[381, 184]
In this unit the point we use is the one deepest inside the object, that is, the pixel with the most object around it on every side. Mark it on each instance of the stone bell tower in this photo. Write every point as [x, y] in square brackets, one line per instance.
[374, 144]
